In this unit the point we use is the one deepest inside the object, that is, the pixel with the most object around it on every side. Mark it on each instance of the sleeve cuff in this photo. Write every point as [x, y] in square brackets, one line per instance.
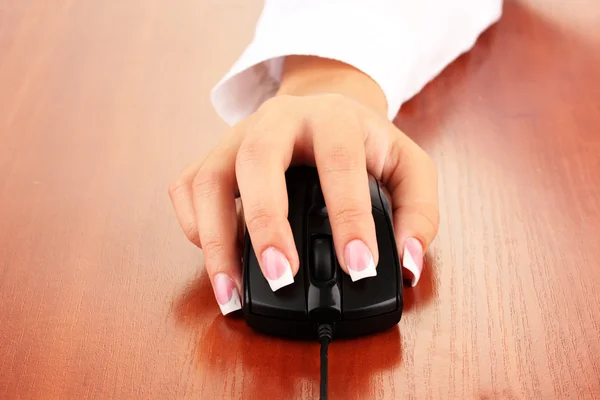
[400, 45]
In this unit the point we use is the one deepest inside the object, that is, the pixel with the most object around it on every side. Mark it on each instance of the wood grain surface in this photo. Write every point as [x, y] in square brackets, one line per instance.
[101, 296]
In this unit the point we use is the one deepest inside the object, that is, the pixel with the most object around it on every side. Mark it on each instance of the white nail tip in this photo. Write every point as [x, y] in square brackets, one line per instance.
[286, 279]
[368, 272]
[409, 263]
[232, 305]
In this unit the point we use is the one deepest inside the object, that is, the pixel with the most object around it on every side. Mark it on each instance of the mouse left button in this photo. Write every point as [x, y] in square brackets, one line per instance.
[288, 302]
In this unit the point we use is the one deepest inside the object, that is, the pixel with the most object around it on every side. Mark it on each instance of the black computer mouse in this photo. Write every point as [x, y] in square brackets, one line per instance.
[322, 293]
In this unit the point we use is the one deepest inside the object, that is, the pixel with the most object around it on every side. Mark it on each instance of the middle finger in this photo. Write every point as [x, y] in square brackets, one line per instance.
[340, 157]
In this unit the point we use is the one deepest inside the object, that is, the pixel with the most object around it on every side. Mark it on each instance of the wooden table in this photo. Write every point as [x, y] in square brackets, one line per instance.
[102, 297]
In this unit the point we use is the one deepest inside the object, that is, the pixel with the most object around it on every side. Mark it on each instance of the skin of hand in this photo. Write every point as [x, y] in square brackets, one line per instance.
[330, 115]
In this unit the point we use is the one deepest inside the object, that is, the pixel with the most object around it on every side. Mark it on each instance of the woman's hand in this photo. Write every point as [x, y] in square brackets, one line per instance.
[329, 115]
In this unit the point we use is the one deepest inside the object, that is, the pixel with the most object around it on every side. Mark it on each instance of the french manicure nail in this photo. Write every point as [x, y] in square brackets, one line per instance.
[226, 293]
[277, 269]
[359, 260]
[412, 259]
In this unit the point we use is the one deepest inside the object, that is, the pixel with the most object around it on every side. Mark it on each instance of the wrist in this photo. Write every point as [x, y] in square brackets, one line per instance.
[308, 75]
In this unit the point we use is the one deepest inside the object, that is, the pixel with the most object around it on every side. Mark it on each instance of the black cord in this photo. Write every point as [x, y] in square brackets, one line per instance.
[325, 335]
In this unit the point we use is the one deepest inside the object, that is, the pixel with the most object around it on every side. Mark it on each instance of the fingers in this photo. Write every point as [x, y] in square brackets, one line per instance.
[254, 158]
[340, 158]
[411, 177]
[260, 168]
[180, 192]
[213, 190]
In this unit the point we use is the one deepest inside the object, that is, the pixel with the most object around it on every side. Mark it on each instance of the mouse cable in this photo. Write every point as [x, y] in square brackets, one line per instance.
[325, 336]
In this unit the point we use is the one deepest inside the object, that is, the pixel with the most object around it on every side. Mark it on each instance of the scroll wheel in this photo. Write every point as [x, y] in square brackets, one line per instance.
[322, 259]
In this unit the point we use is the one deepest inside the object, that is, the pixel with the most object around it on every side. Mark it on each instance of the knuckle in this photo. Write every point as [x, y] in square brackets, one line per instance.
[259, 219]
[426, 211]
[406, 158]
[240, 128]
[191, 232]
[213, 247]
[177, 189]
[207, 182]
[251, 152]
[340, 158]
[334, 100]
[414, 158]
[266, 106]
[275, 106]
[340, 106]
[349, 215]
[331, 108]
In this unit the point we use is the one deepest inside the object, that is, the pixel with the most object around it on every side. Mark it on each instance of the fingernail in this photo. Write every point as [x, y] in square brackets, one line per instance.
[412, 259]
[226, 293]
[277, 269]
[359, 260]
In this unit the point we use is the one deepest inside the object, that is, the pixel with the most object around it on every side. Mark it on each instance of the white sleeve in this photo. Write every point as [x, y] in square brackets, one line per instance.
[400, 44]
